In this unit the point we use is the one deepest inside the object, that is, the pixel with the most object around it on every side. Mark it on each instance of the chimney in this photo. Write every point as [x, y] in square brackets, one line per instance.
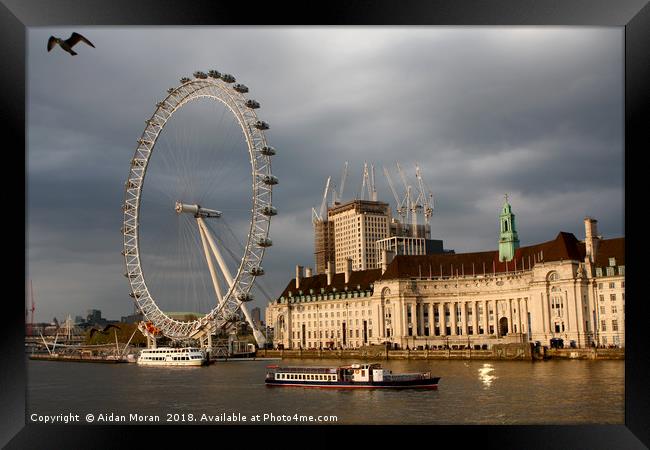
[386, 258]
[348, 269]
[308, 272]
[298, 276]
[591, 238]
[330, 273]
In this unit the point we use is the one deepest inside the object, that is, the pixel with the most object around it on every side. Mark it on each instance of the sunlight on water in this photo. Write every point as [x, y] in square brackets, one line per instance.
[484, 374]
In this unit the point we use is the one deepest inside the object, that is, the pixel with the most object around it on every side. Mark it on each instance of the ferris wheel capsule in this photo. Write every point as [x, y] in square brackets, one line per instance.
[265, 242]
[228, 78]
[244, 298]
[241, 88]
[252, 104]
[214, 74]
[261, 125]
[270, 180]
[257, 271]
[269, 211]
[267, 150]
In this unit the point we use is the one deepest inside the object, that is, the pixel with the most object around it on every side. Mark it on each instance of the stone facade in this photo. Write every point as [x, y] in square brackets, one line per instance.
[564, 288]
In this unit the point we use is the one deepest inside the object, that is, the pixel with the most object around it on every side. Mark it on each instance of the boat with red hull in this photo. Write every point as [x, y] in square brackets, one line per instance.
[365, 376]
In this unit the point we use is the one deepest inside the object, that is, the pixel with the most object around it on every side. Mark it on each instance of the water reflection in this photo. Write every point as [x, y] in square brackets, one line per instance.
[589, 392]
[485, 375]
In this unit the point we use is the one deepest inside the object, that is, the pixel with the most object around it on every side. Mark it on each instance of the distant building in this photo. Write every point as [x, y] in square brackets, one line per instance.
[323, 244]
[564, 288]
[94, 316]
[407, 245]
[358, 225]
[132, 318]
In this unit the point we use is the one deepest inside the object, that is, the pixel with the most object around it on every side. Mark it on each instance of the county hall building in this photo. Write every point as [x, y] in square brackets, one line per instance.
[563, 288]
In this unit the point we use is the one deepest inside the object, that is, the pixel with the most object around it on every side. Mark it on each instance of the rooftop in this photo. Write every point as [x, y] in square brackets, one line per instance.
[565, 247]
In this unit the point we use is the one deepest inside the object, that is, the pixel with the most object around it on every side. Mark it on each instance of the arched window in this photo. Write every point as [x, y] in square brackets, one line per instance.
[553, 276]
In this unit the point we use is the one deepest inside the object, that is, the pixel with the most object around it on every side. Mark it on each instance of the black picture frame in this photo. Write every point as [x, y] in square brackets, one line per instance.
[634, 15]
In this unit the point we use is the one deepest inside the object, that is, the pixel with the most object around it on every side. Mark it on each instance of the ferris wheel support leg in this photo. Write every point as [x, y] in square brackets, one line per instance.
[217, 253]
[259, 337]
[213, 275]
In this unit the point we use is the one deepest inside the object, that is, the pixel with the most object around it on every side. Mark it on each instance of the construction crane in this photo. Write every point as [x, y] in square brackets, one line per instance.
[414, 203]
[337, 196]
[368, 183]
[426, 196]
[321, 214]
[401, 211]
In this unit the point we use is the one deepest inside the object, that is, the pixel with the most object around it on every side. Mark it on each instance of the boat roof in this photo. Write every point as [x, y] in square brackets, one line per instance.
[297, 368]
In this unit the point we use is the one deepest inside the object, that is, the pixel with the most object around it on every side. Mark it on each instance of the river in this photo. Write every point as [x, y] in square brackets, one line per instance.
[470, 392]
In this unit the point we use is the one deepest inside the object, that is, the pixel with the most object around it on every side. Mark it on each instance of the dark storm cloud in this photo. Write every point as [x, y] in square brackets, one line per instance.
[535, 112]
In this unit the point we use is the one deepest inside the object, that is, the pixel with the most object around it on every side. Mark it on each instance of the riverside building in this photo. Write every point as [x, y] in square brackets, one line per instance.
[563, 288]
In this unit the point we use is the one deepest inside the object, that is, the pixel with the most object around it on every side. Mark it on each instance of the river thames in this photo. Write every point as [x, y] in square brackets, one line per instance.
[470, 392]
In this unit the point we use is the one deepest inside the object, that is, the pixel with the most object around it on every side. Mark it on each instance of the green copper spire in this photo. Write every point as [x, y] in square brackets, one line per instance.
[508, 239]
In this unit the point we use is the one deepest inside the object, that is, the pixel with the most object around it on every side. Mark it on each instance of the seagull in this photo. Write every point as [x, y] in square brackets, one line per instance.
[68, 43]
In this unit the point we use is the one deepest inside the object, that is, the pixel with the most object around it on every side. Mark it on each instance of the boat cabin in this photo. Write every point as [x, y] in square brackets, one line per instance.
[363, 373]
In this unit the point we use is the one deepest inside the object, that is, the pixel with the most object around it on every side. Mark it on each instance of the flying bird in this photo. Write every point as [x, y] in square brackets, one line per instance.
[94, 330]
[68, 43]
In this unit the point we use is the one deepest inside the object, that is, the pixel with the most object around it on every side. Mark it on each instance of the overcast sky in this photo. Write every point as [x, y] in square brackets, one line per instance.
[534, 112]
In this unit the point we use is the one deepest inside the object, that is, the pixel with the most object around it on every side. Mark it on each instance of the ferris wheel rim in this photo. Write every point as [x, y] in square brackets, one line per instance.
[189, 90]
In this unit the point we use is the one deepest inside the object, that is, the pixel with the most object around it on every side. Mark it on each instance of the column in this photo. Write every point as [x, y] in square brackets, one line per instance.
[509, 312]
[544, 320]
[486, 328]
[525, 310]
[432, 328]
[475, 318]
[463, 318]
[495, 317]
[518, 315]
[452, 315]
[420, 308]
[441, 319]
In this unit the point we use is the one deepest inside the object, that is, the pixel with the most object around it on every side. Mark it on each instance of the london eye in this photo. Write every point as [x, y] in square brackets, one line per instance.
[199, 227]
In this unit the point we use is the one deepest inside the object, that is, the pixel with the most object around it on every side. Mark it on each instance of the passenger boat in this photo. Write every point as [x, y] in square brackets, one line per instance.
[352, 376]
[169, 356]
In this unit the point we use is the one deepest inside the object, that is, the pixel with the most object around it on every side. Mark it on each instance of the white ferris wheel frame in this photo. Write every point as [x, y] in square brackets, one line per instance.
[238, 292]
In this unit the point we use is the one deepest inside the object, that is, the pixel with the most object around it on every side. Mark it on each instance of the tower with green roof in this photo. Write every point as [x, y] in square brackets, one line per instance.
[508, 239]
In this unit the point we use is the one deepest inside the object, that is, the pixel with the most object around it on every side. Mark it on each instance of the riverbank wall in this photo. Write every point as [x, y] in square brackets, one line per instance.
[521, 352]
[502, 351]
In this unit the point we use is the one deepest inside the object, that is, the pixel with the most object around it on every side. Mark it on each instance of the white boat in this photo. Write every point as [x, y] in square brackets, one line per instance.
[169, 356]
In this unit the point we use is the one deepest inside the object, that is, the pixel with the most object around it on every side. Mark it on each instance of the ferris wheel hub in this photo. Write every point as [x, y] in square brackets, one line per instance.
[196, 210]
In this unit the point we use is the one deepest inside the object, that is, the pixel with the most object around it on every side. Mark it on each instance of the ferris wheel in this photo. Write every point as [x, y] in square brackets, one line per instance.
[229, 284]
